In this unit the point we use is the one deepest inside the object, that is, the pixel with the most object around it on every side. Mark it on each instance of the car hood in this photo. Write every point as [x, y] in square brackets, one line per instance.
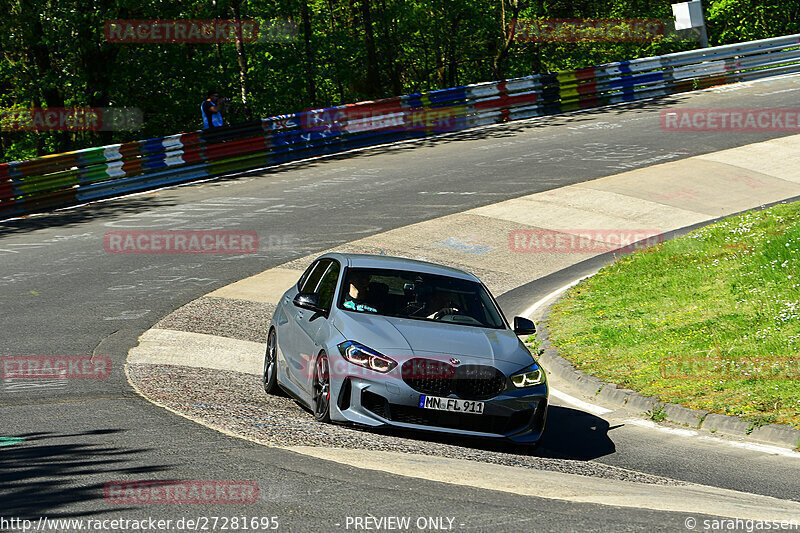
[389, 335]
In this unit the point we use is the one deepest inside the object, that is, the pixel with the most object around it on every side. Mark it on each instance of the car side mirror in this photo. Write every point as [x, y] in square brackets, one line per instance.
[523, 326]
[308, 300]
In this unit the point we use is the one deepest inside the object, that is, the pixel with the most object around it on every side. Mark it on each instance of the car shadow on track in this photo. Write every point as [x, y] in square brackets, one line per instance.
[573, 434]
[69, 218]
[498, 132]
[569, 434]
[47, 471]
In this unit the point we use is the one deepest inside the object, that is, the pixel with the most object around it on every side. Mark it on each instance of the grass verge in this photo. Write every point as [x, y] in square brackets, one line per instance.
[710, 320]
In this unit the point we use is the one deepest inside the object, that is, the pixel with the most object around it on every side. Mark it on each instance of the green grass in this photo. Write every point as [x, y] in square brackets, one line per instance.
[534, 344]
[710, 320]
[658, 414]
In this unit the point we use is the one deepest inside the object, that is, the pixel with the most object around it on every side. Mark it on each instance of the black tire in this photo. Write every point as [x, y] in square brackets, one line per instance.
[321, 389]
[271, 364]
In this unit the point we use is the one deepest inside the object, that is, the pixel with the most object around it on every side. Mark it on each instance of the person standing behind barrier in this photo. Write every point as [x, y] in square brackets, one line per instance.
[212, 109]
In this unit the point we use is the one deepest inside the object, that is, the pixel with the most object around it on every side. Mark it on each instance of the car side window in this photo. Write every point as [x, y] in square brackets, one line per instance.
[310, 281]
[327, 285]
[304, 276]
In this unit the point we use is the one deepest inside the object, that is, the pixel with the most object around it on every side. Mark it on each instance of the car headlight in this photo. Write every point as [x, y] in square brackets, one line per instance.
[360, 355]
[528, 378]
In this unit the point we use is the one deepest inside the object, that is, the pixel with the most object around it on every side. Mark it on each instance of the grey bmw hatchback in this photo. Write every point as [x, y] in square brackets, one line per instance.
[387, 341]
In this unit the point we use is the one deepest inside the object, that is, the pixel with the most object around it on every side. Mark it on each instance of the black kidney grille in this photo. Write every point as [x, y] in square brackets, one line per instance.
[438, 378]
[428, 376]
[478, 382]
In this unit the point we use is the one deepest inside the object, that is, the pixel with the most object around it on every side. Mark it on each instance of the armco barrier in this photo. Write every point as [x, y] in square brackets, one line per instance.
[75, 177]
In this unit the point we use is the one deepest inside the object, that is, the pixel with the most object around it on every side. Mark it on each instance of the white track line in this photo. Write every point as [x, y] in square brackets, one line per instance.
[563, 396]
[652, 425]
[580, 404]
[529, 311]
[765, 448]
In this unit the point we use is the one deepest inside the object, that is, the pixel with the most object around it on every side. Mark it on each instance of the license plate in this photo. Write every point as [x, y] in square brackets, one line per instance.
[454, 405]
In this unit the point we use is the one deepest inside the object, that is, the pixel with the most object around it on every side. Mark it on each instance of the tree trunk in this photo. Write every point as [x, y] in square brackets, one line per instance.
[311, 89]
[39, 56]
[508, 36]
[218, 46]
[452, 60]
[332, 25]
[373, 80]
[241, 57]
[536, 63]
[97, 60]
[389, 37]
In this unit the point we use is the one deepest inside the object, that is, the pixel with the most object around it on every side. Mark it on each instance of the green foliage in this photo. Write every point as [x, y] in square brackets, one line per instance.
[534, 344]
[55, 54]
[657, 414]
[732, 21]
[710, 320]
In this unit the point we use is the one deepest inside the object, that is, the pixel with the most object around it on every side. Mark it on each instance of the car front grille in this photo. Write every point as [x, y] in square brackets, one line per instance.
[428, 376]
[498, 425]
[437, 378]
[478, 382]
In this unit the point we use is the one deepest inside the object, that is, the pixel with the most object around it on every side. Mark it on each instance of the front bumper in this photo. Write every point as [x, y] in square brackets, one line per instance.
[517, 415]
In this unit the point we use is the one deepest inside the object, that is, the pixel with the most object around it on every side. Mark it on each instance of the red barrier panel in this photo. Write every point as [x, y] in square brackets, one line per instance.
[243, 146]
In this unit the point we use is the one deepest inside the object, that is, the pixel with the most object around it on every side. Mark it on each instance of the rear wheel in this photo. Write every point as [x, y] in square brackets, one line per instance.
[270, 364]
[322, 389]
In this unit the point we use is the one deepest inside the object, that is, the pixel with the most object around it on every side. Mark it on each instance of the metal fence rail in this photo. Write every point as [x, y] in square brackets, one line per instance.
[84, 175]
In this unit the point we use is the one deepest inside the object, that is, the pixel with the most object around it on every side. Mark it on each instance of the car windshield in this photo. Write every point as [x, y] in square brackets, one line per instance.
[419, 296]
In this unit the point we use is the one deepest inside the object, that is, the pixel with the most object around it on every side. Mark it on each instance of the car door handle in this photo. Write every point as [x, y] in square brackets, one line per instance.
[300, 314]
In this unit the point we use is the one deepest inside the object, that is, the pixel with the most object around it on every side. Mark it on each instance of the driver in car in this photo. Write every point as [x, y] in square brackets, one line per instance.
[358, 293]
[441, 305]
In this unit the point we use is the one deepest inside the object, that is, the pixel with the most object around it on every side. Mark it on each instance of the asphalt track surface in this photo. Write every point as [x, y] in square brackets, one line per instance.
[62, 294]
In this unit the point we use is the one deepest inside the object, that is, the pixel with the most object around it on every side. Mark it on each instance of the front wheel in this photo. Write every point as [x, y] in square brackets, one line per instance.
[270, 364]
[322, 389]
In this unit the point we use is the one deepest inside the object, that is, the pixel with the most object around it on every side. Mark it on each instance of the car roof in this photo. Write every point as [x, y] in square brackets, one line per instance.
[398, 263]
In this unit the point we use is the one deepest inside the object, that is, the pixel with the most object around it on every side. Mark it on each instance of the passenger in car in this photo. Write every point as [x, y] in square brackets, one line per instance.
[358, 297]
